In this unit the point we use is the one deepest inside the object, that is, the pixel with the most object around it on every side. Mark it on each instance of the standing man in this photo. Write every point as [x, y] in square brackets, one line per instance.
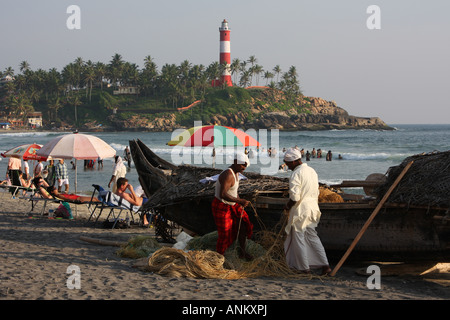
[119, 171]
[302, 246]
[38, 169]
[62, 175]
[26, 168]
[228, 209]
[51, 174]
[127, 156]
[14, 165]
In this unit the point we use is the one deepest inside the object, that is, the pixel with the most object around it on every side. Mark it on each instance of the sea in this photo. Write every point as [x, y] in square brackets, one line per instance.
[362, 152]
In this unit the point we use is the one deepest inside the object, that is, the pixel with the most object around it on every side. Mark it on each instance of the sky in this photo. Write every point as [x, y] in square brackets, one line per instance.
[398, 71]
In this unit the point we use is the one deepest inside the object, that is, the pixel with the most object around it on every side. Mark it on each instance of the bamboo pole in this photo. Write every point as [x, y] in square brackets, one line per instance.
[369, 220]
[103, 242]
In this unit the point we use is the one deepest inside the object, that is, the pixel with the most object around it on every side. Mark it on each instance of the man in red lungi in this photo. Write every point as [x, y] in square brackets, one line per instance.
[228, 209]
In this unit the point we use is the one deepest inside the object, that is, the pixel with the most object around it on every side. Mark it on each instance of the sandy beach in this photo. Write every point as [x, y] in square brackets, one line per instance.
[37, 253]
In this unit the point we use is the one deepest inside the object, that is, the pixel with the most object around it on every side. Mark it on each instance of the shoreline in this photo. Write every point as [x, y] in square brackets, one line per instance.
[37, 251]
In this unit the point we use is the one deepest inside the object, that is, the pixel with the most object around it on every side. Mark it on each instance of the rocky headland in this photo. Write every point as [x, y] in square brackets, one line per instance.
[309, 113]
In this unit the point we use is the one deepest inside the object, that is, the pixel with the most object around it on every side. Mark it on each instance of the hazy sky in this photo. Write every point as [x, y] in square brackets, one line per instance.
[399, 73]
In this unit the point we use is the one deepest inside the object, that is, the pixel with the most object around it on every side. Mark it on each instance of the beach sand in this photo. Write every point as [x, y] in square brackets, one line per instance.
[36, 253]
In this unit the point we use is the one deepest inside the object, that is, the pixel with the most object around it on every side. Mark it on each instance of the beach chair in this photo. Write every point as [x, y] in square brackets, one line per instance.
[113, 203]
[14, 190]
[35, 200]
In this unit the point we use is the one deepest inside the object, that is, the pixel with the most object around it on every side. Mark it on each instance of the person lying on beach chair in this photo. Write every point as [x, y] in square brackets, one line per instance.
[53, 193]
[131, 197]
[70, 197]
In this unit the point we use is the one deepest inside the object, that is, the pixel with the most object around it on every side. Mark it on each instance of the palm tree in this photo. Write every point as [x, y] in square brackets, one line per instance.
[148, 76]
[89, 78]
[21, 105]
[9, 72]
[100, 73]
[257, 69]
[24, 66]
[69, 76]
[213, 71]
[268, 75]
[78, 66]
[75, 101]
[252, 60]
[115, 69]
[277, 71]
[235, 68]
[53, 106]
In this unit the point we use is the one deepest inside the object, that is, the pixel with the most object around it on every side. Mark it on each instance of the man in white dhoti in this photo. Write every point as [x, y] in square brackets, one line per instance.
[302, 246]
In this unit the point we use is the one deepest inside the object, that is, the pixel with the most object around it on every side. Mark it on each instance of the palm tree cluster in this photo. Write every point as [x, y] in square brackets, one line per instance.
[175, 85]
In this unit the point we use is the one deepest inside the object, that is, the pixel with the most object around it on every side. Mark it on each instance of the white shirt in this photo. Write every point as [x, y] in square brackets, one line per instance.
[304, 189]
[233, 191]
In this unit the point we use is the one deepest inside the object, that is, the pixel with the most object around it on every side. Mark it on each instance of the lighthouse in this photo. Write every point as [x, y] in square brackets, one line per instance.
[225, 53]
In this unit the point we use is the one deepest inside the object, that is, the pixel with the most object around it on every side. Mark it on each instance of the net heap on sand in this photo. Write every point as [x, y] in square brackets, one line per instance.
[201, 261]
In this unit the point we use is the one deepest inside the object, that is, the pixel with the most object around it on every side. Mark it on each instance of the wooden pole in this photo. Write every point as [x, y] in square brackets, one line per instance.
[369, 220]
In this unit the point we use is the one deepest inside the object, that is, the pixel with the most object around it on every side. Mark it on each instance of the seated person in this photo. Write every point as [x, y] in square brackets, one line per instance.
[70, 197]
[25, 181]
[131, 197]
[41, 186]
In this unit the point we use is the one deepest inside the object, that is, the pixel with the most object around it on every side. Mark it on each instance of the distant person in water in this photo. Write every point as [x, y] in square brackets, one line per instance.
[329, 156]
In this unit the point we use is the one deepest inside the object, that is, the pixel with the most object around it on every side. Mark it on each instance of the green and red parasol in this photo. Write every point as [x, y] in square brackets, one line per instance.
[213, 136]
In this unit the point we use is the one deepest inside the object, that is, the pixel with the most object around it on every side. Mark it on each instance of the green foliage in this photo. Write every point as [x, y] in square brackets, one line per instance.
[82, 91]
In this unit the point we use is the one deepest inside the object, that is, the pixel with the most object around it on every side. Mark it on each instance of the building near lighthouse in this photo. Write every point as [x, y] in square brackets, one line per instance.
[225, 55]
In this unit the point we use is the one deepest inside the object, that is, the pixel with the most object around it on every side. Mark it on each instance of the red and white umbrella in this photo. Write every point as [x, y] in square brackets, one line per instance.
[25, 152]
[77, 146]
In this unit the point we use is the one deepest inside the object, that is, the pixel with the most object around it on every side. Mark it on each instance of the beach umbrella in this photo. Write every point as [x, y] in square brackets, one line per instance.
[213, 136]
[25, 152]
[79, 147]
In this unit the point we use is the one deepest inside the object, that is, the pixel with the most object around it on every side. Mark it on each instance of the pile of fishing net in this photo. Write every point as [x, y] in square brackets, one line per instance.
[200, 260]
[139, 247]
[328, 196]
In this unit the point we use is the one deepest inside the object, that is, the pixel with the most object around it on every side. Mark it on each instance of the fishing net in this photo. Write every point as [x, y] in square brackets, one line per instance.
[139, 247]
[203, 262]
[329, 196]
[426, 183]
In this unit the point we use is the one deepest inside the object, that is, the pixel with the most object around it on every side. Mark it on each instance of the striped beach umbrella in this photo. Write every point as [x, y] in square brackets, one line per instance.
[213, 136]
[77, 146]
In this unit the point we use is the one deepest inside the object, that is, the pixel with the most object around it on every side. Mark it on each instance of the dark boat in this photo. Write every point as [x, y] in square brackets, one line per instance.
[401, 228]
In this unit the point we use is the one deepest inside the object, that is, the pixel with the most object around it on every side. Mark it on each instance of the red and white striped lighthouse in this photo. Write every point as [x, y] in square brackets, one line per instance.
[225, 53]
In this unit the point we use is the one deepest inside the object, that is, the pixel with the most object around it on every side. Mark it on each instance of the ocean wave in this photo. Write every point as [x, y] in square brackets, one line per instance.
[28, 134]
[371, 156]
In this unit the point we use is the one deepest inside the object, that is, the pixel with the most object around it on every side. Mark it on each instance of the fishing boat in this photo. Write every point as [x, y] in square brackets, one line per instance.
[402, 227]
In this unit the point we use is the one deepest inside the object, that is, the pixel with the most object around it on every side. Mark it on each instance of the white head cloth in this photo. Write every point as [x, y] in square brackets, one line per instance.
[292, 154]
[242, 158]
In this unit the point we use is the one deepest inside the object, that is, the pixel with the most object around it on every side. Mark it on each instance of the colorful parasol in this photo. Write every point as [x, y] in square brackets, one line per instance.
[78, 146]
[213, 136]
[26, 152]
